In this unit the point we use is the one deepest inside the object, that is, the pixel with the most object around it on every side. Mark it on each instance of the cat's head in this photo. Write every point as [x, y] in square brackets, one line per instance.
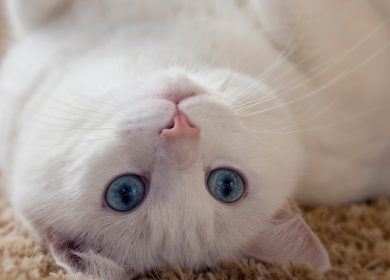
[169, 168]
[181, 169]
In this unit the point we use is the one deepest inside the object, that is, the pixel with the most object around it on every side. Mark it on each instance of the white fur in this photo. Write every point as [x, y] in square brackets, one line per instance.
[80, 105]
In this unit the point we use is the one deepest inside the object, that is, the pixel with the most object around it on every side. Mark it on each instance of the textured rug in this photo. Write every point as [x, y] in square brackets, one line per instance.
[357, 237]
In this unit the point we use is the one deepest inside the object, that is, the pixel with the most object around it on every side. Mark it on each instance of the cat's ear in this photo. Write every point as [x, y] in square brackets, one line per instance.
[27, 15]
[74, 257]
[289, 239]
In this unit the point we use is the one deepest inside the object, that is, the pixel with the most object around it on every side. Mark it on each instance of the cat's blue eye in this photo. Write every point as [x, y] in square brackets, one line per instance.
[125, 193]
[225, 185]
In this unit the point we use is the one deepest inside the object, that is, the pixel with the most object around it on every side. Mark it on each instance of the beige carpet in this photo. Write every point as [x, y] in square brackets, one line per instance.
[357, 237]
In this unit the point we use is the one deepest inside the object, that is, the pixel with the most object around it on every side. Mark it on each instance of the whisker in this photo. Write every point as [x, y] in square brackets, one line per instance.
[325, 85]
[79, 128]
[287, 51]
[297, 65]
[301, 81]
[254, 83]
[311, 117]
[326, 66]
[79, 108]
[325, 126]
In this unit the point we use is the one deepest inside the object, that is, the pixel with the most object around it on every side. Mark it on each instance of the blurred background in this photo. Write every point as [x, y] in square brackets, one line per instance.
[3, 29]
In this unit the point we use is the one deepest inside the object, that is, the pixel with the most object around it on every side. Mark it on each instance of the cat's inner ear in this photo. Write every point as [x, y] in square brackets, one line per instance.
[27, 15]
[74, 256]
[289, 239]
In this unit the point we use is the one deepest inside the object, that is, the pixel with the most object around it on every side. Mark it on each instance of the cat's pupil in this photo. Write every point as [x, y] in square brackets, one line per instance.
[125, 195]
[227, 186]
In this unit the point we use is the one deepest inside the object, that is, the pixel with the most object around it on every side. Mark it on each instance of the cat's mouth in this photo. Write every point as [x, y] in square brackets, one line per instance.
[177, 96]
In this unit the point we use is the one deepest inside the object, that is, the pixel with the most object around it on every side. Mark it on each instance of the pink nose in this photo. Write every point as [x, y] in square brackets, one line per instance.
[181, 128]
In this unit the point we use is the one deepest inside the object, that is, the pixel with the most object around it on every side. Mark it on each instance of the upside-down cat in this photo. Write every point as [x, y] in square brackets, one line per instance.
[138, 134]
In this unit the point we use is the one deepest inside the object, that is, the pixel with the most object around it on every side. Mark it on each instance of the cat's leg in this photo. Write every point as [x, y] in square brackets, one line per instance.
[27, 15]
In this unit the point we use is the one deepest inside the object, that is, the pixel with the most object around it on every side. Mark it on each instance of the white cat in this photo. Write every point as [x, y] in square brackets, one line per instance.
[142, 134]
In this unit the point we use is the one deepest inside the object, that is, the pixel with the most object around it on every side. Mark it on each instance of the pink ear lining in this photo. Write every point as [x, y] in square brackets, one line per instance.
[65, 251]
[289, 239]
[74, 256]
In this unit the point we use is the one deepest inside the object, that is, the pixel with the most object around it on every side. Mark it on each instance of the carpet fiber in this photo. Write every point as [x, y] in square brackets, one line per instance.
[357, 237]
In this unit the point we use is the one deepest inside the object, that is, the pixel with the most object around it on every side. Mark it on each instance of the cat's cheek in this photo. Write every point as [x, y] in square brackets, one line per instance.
[74, 257]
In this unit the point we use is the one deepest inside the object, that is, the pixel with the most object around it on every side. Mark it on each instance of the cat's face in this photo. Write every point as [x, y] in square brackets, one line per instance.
[162, 210]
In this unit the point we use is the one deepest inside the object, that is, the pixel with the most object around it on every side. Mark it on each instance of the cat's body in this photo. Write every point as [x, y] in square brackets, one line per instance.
[316, 125]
